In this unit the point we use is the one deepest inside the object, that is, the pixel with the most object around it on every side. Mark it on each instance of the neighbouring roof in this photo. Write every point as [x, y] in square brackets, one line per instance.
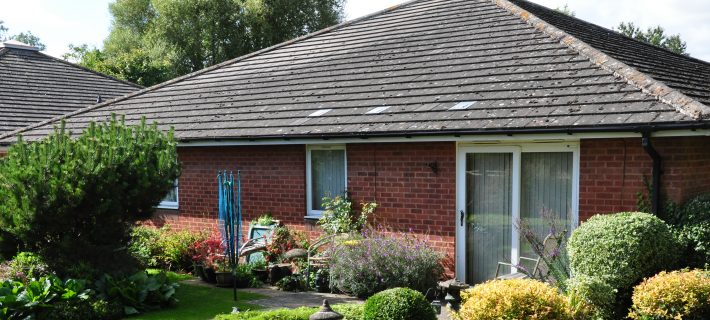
[428, 67]
[35, 87]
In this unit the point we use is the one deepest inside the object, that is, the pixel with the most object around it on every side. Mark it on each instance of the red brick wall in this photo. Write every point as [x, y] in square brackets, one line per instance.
[612, 171]
[396, 176]
[272, 181]
[409, 194]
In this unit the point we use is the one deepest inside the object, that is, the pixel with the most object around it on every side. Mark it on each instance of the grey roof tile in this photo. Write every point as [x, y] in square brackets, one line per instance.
[420, 60]
[35, 87]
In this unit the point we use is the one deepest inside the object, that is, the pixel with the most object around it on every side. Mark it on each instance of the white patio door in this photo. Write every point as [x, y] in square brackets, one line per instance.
[500, 186]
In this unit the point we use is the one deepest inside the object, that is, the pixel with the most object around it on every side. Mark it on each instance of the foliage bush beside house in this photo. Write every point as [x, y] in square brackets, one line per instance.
[71, 203]
[619, 250]
[673, 295]
[73, 200]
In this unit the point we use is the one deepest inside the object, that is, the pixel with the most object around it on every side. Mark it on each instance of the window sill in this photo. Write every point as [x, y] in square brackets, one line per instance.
[168, 206]
[312, 218]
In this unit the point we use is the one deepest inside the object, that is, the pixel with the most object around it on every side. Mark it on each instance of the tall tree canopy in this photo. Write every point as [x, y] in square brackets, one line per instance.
[152, 41]
[655, 36]
[24, 37]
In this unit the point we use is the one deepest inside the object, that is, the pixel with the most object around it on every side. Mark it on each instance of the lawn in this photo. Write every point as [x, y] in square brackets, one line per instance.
[198, 302]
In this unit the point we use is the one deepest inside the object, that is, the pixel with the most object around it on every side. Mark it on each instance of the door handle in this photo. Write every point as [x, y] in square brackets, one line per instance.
[462, 216]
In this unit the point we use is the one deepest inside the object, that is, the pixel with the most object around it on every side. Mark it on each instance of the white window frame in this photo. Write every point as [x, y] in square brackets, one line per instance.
[310, 212]
[172, 205]
[516, 149]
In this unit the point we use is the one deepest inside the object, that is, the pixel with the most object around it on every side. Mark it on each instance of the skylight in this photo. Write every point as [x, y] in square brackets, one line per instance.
[319, 113]
[377, 110]
[462, 105]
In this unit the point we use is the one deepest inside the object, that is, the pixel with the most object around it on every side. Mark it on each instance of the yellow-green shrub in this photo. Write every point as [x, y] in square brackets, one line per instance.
[678, 295]
[513, 299]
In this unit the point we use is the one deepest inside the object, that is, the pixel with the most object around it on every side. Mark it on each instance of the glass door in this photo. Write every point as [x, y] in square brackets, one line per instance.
[501, 187]
[489, 214]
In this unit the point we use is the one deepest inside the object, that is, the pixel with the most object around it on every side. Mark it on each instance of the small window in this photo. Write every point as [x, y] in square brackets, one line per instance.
[326, 176]
[171, 199]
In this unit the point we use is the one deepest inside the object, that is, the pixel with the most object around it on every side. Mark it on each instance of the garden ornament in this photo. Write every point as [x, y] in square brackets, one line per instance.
[326, 313]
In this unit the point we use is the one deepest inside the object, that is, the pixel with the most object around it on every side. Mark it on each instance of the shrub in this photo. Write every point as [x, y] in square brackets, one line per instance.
[513, 299]
[693, 231]
[294, 283]
[144, 245]
[591, 296]
[621, 249]
[396, 304]
[283, 240]
[79, 309]
[75, 199]
[674, 295]
[349, 311]
[382, 261]
[23, 267]
[165, 248]
[339, 216]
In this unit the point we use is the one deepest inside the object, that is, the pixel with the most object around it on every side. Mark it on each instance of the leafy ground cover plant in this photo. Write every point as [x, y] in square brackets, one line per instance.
[683, 294]
[24, 267]
[384, 260]
[513, 299]
[26, 301]
[74, 199]
[139, 292]
[398, 303]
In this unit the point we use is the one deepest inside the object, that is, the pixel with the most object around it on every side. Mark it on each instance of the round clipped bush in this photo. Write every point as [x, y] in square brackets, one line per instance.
[622, 248]
[673, 295]
[513, 299]
[398, 304]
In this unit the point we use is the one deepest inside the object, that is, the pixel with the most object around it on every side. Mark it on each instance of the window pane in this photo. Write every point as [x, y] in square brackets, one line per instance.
[489, 212]
[327, 175]
[546, 194]
[172, 194]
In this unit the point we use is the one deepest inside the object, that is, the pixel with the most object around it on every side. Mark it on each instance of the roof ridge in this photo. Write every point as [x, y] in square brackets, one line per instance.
[91, 71]
[679, 101]
[646, 44]
[210, 68]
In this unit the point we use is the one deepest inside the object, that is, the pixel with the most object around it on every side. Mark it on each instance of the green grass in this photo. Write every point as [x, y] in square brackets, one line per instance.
[198, 302]
[172, 276]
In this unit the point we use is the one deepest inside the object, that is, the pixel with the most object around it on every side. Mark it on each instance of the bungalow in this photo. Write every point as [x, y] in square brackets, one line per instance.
[457, 117]
[35, 87]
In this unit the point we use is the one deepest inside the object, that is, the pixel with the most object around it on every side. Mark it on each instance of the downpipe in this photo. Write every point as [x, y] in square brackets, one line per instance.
[656, 180]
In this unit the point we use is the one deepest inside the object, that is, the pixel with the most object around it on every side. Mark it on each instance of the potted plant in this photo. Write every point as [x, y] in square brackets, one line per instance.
[223, 272]
[211, 251]
[198, 251]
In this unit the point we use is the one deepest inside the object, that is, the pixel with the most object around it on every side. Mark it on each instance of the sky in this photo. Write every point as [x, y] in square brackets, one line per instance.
[59, 23]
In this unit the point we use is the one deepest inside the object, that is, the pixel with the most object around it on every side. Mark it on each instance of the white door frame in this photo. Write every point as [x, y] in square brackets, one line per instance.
[516, 149]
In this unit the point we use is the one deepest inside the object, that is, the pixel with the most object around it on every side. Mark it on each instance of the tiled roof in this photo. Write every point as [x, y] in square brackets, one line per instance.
[35, 87]
[426, 67]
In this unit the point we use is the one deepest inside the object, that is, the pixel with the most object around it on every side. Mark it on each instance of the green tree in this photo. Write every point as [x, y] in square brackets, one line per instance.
[74, 201]
[152, 41]
[566, 10]
[655, 36]
[24, 37]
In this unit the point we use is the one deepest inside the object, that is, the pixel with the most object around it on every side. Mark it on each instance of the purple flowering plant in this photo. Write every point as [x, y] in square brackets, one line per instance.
[383, 260]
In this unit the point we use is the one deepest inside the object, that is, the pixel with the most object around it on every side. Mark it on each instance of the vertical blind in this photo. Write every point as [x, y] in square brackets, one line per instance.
[327, 175]
[488, 206]
[546, 193]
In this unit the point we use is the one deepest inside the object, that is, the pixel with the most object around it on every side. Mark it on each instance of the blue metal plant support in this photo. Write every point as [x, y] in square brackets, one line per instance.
[230, 219]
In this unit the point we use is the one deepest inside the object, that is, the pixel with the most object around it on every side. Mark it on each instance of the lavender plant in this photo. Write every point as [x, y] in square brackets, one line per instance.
[383, 260]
